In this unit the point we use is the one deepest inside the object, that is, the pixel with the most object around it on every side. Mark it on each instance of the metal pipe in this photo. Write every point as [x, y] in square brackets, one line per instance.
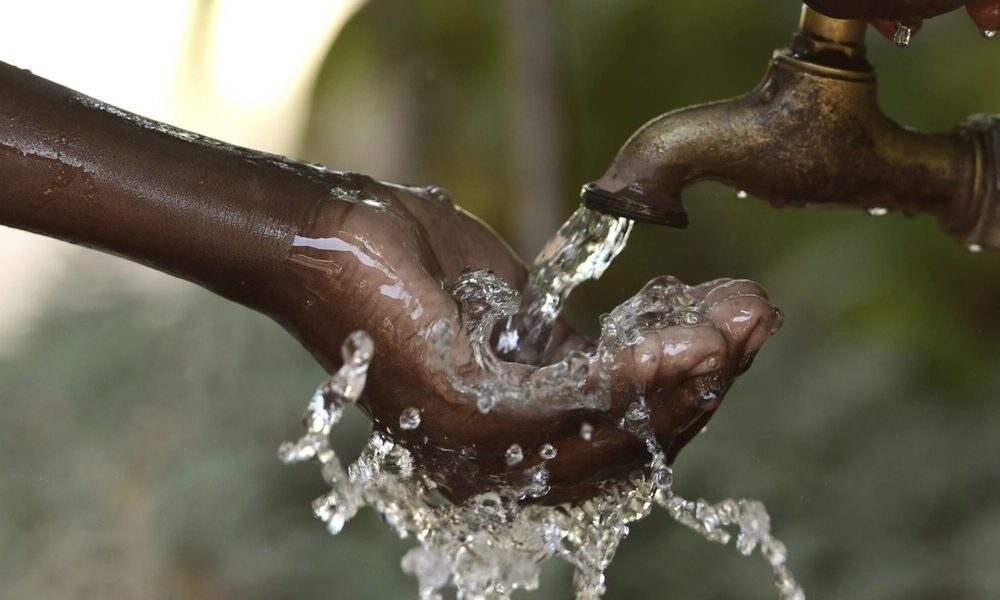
[846, 32]
[810, 134]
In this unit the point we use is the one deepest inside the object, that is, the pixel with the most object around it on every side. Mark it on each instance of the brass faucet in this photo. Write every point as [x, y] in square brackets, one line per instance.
[811, 134]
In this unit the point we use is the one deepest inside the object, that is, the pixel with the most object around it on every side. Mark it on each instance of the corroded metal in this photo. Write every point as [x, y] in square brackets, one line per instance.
[810, 134]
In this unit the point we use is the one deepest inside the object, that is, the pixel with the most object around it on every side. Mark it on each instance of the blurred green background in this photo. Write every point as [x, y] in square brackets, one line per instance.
[138, 434]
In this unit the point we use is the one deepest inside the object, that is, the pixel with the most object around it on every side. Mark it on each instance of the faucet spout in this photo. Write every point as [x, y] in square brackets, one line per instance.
[810, 134]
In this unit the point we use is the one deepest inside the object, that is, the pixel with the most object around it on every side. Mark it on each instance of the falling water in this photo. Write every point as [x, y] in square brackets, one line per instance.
[903, 35]
[581, 250]
[494, 543]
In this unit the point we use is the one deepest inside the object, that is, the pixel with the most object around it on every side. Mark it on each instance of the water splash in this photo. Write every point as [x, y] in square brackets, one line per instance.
[485, 300]
[409, 419]
[492, 544]
[581, 250]
[514, 455]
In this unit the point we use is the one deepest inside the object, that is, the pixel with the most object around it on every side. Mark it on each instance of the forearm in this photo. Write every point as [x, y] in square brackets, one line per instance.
[211, 213]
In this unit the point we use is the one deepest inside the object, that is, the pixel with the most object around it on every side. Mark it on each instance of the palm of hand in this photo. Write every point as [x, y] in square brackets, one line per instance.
[382, 262]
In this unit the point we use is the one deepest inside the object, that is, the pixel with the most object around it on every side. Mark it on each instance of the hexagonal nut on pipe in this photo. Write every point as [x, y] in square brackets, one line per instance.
[985, 232]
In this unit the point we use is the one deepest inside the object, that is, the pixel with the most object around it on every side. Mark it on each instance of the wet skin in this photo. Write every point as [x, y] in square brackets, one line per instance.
[326, 253]
[382, 265]
[883, 13]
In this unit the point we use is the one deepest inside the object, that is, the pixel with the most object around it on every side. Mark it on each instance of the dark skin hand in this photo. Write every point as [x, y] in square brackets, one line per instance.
[326, 253]
[885, 13]
[382, 266]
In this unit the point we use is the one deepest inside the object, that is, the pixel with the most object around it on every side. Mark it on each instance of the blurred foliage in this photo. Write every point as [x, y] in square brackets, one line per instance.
[138, 436]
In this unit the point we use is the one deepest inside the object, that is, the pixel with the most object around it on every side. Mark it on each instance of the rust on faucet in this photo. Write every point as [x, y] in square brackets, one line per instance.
[811, 134]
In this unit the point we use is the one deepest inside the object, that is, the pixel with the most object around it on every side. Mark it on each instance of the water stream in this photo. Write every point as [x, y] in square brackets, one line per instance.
[494, 543]
[581, 250]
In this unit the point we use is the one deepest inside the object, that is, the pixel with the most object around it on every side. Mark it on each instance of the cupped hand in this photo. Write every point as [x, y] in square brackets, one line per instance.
[380, 257]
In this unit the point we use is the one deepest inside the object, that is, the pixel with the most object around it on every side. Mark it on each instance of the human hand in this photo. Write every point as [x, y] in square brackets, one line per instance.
[325, 254]
[884, 14]
[380, 259]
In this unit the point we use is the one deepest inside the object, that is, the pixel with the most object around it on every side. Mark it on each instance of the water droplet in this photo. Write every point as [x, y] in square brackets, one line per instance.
[878, 211]
[376, 203]
[409, 419]
[327, 509]
[358, 348]
[742, 195]
[586, 431]
[286, 453]
[988, 33]
[707, 398]
[486, 402]
[316, 420]
[547, 452]
[514, 455]
[539, 481]
[689, 317]
[663, 477]
[774, 551]
[637, 412]
[975, 248]
[325, 456]
[438, 194]
[903, 35]
[507, 341]
[578, 366]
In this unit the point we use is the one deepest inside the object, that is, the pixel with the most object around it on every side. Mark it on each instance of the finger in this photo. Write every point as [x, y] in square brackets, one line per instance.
[661, 361]
[744, 317]
[724, 289]
[702, 289]
[739, 321]
[891, 10]
[986, 14]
